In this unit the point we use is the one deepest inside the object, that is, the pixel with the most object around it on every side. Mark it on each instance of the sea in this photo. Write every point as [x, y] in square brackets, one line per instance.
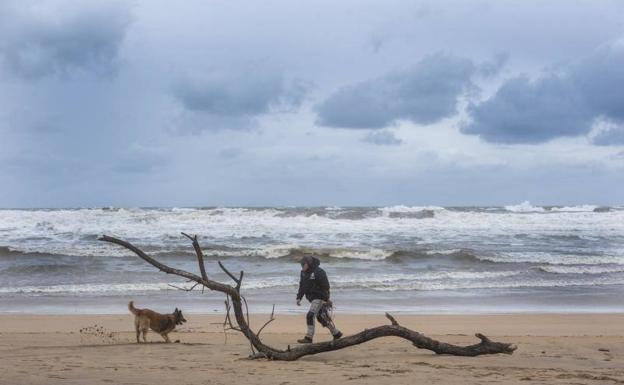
[518, 258]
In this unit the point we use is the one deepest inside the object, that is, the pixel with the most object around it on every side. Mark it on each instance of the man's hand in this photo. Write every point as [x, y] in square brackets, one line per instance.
[298, 302]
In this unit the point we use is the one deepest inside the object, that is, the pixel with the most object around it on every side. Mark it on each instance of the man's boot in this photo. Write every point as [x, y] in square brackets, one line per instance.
[305, 340]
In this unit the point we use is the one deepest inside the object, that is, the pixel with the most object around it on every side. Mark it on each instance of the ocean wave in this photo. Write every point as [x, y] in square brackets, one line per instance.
[368, 281]
[296, 252]
[43, 268]
[87, 288]
[553, 259]
[369, 233]
[422, 281]
[417, 212]
[525, 207]
[502, 284]
[575, 209]
[352, 281]
[582, 269]
[8, 251]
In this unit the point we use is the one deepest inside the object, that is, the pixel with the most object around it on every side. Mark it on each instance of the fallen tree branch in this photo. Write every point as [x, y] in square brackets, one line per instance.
[486, 346]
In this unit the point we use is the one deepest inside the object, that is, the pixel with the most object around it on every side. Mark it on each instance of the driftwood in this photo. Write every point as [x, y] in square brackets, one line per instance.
[486, 346]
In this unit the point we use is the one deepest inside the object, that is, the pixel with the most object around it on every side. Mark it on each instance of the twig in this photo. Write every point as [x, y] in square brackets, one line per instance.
[271, 319]
[237, 280]
[184, 288]
[392, 320]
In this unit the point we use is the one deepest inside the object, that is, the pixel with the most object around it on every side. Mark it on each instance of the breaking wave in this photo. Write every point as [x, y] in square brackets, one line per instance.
[392, 248]
[582, 269]
[425, 281]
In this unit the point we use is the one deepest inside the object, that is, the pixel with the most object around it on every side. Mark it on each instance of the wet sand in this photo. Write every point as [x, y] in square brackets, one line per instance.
[100, 349]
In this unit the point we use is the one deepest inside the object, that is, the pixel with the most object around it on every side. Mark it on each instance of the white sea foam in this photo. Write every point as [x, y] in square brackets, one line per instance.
[525, 207]
[582, 269]
[395, 248]
[443, 251]
[372, 281]
[435, 281]
[87, 288]
[574, 209]
[409, 209]
[554, 259]
[265, 232]
[504, 284]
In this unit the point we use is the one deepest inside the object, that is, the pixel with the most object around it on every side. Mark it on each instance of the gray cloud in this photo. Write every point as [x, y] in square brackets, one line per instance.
[38, 42]
[233, 100]
[382, 138]
[494, 66]
[138, 159]
[567, 103]
[423, 94]
[523, 111]
[230, 153]
[69, 139]
[612, 134]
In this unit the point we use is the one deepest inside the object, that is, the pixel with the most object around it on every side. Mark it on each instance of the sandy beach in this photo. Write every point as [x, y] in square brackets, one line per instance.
[100, 349]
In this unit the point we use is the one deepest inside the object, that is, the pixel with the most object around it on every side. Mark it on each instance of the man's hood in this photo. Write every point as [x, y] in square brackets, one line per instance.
[313, 262]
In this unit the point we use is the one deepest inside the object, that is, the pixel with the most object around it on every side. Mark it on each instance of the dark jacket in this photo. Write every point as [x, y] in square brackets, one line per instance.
[314, 283]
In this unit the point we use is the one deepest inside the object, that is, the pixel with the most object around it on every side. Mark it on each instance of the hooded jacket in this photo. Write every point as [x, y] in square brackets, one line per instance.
[313, 282]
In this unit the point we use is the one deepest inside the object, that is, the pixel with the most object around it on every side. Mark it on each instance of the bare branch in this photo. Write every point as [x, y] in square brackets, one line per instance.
[392, 320]
[238, 281]
[184, 288]
[271, 319]
[253, 351]
[200, 255]
[210, 284]
[228, 319]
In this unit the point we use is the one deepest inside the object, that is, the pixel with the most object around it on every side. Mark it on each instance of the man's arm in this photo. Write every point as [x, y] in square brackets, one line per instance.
[300, 292]
[323, 282]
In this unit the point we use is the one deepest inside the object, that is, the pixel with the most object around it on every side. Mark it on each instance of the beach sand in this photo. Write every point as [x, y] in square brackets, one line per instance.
[552, 349]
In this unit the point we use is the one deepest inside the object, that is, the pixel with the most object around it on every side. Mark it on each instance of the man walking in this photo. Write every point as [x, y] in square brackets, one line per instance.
[315, 286]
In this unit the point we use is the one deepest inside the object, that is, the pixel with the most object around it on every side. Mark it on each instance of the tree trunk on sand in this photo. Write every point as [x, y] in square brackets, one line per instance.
[486, 346]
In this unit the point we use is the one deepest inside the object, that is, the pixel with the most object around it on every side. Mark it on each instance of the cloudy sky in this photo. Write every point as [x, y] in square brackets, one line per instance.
[141, 103]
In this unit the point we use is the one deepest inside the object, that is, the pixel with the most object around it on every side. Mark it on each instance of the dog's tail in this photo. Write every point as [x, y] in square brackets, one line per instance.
[132, 309]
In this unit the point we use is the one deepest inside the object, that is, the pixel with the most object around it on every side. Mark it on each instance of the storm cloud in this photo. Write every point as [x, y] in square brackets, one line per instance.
[423, 94]
[238, 103]
[43, 39]
[382, 138]
[567, 102]
[233, 100]
[609, 133]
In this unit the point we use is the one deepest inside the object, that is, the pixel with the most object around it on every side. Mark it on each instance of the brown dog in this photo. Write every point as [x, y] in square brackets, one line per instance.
[163, 324]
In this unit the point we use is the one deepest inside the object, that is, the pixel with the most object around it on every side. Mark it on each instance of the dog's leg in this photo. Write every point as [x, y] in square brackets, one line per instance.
[138, 330]
[166, 337]
[145, 326]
